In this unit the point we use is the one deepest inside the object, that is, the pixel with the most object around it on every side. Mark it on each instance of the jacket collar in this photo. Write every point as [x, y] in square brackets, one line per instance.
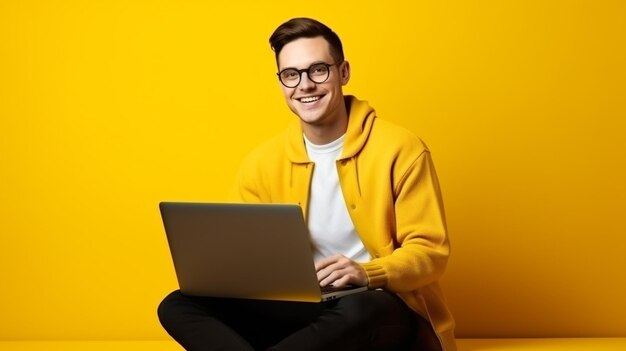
[360, 121]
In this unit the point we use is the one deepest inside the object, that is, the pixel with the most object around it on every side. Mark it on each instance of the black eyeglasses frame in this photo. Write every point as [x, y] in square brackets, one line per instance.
[307, 70]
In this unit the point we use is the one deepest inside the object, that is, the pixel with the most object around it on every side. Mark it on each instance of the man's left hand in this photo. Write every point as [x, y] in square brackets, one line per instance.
[340, 271]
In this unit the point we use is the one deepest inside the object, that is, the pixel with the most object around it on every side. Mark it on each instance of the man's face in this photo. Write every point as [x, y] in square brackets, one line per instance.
[315, 104]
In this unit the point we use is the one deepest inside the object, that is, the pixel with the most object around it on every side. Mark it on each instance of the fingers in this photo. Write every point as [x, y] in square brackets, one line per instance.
[340, 278]
[326, 266]
[325, 262]
[340, 271]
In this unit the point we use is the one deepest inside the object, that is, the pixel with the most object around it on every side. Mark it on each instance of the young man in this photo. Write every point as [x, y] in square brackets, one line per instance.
[373, 206]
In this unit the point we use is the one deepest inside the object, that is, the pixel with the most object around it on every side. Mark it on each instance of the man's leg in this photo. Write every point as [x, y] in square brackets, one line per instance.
[191, 321]
[372, 320]
[204, 323]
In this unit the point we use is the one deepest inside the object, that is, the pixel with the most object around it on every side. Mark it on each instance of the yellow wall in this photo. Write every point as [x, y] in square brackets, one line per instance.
[107, 107]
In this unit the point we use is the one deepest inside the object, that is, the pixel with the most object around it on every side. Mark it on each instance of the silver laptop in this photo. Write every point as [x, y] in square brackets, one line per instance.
[252, 251]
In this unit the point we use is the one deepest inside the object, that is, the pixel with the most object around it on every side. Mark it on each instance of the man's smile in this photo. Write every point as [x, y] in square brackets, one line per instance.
[309, 99]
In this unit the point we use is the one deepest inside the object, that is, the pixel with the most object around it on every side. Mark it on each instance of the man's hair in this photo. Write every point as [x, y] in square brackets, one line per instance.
[303, 27]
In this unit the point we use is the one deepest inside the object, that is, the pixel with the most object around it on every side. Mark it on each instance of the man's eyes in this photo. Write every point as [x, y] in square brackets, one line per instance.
[290, 74]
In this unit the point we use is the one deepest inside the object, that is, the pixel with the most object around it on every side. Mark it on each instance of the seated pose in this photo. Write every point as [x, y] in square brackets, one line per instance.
[372, 203]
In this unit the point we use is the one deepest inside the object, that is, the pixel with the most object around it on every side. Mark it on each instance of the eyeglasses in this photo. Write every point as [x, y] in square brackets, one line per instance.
[318, 73]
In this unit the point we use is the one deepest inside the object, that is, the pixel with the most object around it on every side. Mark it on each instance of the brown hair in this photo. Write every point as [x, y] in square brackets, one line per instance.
[303, 27]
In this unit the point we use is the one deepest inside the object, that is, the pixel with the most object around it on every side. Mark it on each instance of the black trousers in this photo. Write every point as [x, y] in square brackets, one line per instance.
[372, 320]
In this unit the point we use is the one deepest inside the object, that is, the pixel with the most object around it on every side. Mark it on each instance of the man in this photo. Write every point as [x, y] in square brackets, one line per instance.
[373, 206]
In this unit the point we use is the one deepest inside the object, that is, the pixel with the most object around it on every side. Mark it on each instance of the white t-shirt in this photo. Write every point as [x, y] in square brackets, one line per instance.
[329, 222]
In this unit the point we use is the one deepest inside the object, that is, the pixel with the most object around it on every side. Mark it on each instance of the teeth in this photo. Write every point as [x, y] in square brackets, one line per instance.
[310, 99]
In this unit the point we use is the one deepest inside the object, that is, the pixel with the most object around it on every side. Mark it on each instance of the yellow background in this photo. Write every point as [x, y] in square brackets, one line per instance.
[108, 107]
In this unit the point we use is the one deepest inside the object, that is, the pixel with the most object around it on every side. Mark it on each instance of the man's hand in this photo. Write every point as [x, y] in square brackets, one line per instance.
[340, 271]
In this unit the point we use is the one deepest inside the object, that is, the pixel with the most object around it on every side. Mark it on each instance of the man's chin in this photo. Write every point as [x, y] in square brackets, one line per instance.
[308, 116]
[308, 119]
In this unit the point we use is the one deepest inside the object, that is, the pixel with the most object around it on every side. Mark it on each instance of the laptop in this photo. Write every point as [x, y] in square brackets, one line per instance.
[249, 251]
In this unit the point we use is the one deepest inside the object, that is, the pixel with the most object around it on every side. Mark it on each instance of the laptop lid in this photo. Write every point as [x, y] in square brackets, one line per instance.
[257, 251]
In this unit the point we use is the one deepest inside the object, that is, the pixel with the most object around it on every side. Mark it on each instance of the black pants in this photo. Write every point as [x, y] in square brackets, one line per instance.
[371, 320]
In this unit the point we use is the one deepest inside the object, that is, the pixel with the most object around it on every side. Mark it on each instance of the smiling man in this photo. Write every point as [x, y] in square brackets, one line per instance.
[372, 202]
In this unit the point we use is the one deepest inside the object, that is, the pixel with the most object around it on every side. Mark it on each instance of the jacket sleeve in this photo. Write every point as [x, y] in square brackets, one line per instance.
[421, 246]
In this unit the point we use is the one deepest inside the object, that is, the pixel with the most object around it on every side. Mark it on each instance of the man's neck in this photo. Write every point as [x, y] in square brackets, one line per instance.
[322, 135]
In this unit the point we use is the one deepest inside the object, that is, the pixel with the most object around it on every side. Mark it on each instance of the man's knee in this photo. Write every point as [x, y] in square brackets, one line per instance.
[167, 309]
[374, 305]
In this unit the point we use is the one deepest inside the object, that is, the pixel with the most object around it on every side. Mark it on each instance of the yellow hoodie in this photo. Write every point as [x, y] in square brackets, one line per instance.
[392, 194]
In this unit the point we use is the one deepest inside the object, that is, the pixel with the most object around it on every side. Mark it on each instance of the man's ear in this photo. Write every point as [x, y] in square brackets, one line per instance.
[344, 72]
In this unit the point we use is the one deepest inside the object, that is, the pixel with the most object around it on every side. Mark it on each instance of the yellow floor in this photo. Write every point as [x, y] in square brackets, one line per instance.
[596, 344]
[89, 346]
[582, 344]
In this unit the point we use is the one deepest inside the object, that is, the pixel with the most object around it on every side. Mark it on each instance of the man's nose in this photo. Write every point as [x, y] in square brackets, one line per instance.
[305, 82]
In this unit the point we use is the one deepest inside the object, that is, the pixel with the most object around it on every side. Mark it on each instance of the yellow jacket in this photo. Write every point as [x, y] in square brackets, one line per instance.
[392, 194]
